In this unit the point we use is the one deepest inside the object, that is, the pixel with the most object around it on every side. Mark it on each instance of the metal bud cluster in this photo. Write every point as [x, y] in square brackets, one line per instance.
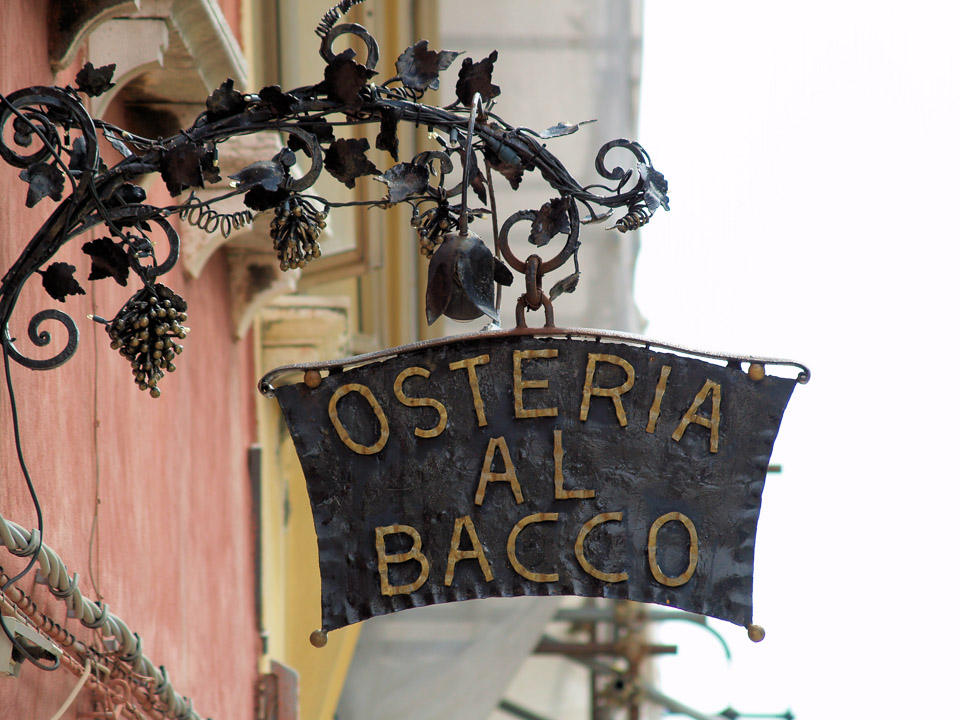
[432, 226]
[295, 230]
[145, 332]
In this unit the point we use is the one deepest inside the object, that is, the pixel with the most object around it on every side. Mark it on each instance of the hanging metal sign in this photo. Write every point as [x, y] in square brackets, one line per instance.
[534, 463]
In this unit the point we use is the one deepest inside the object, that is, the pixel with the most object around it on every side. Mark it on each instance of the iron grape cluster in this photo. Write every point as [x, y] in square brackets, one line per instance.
[145, 332]
[295, 230]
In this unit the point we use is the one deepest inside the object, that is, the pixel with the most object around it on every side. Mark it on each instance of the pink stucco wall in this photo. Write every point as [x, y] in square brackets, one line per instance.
[173, 553]
[232, 11]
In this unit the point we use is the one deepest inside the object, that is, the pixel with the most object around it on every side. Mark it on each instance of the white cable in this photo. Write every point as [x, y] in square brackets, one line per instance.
[16, 539]
[88, 666]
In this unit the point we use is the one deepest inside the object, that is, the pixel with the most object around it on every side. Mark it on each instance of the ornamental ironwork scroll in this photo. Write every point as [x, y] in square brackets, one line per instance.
[47, 134]
[55, 146]
[535, 463]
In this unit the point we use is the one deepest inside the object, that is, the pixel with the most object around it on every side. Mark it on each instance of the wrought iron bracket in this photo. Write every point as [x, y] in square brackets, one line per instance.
[50, 136]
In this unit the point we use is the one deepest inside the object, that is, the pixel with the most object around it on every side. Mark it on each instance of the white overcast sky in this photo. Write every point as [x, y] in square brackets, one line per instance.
[813, 155]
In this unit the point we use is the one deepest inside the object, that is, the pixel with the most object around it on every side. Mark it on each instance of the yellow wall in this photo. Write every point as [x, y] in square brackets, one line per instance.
[347, 303]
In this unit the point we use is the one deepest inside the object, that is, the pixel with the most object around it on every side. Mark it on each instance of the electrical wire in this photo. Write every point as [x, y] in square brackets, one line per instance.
[95, 523]
[97, 616]
[87, 668]
[34, 538]
[23, 469]
[19, 604]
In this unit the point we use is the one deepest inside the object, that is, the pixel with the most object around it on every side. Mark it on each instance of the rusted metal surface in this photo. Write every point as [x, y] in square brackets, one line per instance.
[549, 468]
[267, 389]
[278, 693]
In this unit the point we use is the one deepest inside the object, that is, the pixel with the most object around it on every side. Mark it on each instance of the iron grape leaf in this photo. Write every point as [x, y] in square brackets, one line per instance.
[387, 137]
[180, 167]
[404, 180]
[344, 78]
[476, 177]
[475, 78]
[107, 259]
[165, 293]
[346, 160]
[95, 81]
[44, 180]
[117, 143]
[501, 272]
[512, 172]
[655, 190]
[561, 129]
[59, 282]
[225, 101]
[566, 285]
[477, 183]
[276, 98]
[320, 129]
[210, 165]
[78, 155]
[419, 68]
[551, 219]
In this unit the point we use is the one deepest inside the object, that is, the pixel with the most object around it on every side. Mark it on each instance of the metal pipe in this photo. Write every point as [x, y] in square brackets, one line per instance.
[519, 711]
[547, 647]
[588, 614]
[653, 695]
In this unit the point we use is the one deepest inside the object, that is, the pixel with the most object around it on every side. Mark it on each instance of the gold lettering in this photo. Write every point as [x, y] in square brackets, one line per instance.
[652, 550]
[364, 391]
[470, 364]
[587, 528]
[713, 422]
[614, 393]
[383, 560]
[420, 402]
[456, 554]
[559, 492]
[509, 473]
[519, 384]
[512, 547]
[658, 398]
